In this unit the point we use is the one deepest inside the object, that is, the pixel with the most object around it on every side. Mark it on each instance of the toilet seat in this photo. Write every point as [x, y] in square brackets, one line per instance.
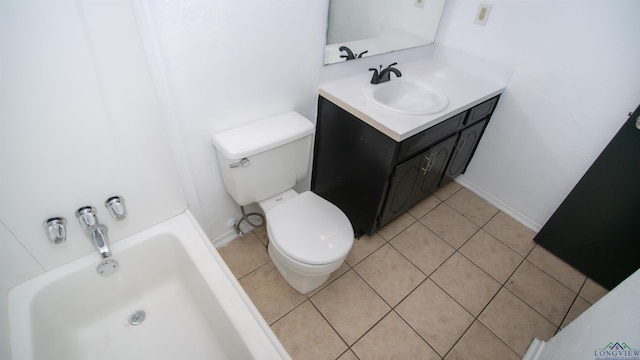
[310, 229]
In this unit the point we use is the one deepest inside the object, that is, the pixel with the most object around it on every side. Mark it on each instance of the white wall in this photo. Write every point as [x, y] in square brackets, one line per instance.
[221, 64]
[79, 121]
[575, 78]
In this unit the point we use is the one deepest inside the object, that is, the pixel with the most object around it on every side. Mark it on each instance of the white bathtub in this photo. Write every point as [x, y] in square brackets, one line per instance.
[195, 309]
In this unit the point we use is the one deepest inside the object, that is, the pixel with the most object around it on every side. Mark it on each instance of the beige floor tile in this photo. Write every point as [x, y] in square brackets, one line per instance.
[270, 293]
[506, 229]
[466, 283]
[436, 316]
[261, 233]
[514, 322]
[423, 207]
[390, 274]
[350, 306]
[542, 292]
[450, 225]
[472, 206]
[422, 247]
[392, 338]
[447, 190]
[363, 247]
[579, 306]
[479, 343]
[334, 275]
[592, 291]
[395, 227]
[244, 255]
[558, 269]
[307, 335]
[491, 255]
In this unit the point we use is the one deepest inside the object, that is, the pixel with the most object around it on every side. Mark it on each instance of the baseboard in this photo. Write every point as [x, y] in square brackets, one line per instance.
[224, 239]
[535, 348]
[523, 219]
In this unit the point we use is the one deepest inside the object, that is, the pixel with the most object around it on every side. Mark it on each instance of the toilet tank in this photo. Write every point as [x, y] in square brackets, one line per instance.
[264, 158]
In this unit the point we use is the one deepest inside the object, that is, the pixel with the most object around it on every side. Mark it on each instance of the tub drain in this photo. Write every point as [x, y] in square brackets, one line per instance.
[137, 317]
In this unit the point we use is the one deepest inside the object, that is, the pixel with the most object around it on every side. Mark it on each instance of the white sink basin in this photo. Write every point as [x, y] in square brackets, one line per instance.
[407, 97]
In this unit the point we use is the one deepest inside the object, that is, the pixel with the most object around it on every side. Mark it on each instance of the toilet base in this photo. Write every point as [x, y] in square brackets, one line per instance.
[303, 280]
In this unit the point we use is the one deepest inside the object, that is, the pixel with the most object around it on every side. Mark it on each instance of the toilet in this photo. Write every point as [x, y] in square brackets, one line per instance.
[261, 162]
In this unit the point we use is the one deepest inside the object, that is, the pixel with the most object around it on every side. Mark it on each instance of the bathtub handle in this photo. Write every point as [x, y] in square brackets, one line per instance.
[56, 229]
[115, 205]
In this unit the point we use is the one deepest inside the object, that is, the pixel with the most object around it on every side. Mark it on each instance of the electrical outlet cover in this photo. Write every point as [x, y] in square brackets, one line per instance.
[482, 15]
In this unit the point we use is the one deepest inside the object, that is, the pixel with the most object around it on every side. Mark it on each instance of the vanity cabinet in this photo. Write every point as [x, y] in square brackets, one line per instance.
[373, 178]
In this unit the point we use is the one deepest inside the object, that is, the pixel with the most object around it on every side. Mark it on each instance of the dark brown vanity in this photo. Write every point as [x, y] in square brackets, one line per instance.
[373, 178]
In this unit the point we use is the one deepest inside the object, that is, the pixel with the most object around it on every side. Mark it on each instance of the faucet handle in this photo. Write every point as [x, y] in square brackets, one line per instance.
[56, 230]
[87, 217]
[115, 205]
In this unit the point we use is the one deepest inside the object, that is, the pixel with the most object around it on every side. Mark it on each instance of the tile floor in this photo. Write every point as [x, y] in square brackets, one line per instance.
[452, 278]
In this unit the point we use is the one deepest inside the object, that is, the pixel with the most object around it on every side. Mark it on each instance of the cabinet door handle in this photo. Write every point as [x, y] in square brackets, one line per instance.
[461, 145]
[431, 158]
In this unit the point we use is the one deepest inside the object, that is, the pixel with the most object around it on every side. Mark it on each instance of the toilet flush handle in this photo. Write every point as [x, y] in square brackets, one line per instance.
[244, 162]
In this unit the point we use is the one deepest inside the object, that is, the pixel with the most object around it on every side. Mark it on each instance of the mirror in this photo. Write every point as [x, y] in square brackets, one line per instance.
[360, 28]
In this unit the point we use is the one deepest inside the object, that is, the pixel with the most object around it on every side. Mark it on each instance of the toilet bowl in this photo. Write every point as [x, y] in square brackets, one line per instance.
[309, 238]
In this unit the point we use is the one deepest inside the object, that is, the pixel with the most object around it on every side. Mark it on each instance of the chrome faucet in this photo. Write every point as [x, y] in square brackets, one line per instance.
[95, 231]
[384, 75]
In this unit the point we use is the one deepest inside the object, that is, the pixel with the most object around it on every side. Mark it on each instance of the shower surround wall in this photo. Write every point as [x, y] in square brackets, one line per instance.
[79, 121]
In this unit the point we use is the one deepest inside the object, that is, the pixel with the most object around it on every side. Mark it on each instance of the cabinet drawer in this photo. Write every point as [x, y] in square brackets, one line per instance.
[420, 141]
[481, 111]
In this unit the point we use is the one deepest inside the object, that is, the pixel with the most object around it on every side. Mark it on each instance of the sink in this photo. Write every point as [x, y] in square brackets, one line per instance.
[407, 97]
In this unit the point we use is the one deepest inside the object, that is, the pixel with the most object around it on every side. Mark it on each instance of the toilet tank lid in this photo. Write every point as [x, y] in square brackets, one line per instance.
[261, 135]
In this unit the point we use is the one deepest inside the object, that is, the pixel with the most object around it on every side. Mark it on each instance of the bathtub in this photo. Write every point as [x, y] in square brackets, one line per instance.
[193, 306]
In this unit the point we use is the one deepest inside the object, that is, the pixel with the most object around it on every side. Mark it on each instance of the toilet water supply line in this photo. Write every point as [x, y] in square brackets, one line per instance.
[245, 217]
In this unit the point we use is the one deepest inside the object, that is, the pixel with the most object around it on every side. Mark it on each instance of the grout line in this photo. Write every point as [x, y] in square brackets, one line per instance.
[416, 332]
[571, 306]
[476, 318]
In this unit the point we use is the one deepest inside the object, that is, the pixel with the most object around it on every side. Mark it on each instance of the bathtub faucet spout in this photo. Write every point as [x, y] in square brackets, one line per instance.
[95, 231]
[101, 240]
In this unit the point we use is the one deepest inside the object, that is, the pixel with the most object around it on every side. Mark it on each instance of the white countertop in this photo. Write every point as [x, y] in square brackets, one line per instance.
[449, 71]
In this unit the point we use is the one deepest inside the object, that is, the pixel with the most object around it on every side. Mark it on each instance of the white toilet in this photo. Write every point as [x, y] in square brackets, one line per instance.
[261, 162]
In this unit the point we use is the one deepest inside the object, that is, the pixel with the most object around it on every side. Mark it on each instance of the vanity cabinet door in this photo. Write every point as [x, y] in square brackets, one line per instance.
[415, 179]
[433, 169]
[401, 186]
[464, 149]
